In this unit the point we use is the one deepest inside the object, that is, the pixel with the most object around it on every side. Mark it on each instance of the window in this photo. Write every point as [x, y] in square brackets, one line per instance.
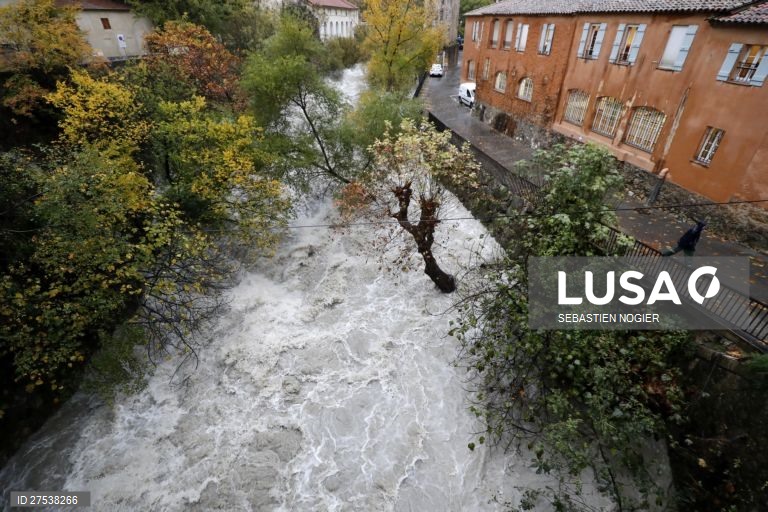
[495, 33]
[644, 128]
[475, 30]
[471, 70]
[607, 115]
[745, 64]
[709, 144]
[522, 37]
[525, 90]
[591, 40]
[626, 46]
[105, 24]
[486, 68]
[508, 34]
[678, 45]
[545, 41]
[501, 81]
[576, 107]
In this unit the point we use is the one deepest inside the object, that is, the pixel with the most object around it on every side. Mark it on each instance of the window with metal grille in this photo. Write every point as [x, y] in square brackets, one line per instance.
[471, 70]
[525, 90]
[486, 68]
[576, 107]
[607, 115]
[750, 58]
[644, 128]
[501, 81]
[508, 34]
[709, 144]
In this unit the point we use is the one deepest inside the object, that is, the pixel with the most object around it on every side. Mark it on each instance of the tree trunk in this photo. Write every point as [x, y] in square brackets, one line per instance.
[423, 233]
[445, 282]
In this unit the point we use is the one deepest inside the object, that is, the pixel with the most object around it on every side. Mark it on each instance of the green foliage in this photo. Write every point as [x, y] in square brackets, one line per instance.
[343, 52]
[213, 15]
[286, 78]
[44, 41]
[118, 366]
[377, 113]
[580, 400]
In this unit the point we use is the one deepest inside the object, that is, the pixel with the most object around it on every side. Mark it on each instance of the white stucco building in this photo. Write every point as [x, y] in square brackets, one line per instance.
[337, 18]
[110, 27]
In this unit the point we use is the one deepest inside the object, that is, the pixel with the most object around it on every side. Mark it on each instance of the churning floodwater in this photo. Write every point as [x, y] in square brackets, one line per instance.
[327, 385]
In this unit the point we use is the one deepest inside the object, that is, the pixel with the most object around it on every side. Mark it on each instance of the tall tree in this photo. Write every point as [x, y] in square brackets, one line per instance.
[197, 58]
[402, 41]
[41, 42]
[301, 111]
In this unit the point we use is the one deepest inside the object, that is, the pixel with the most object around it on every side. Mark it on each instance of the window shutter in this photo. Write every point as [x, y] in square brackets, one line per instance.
[730, 60]
[599, 40]
[517, 39]
[685, 47]
[617, 43]
[635, 49]
[550, 37]
[762, 70]
[583, 41]
[543, 38]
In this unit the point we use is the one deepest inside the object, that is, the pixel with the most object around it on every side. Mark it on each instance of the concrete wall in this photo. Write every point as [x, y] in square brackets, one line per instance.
[105, 41]
[692, 99]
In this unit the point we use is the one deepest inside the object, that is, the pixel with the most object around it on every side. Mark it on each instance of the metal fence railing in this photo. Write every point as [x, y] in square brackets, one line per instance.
[734, 308]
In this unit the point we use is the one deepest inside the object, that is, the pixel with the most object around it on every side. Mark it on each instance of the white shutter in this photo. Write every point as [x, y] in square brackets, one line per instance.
[583, 41]
[550, 37]
[543, 38]
[599, 41]
[762, 70]
[685, 47]
[730, 60]
[635, 48]
[617, 43]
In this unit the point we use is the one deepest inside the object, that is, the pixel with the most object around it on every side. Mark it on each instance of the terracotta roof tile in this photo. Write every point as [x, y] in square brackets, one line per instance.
[584, 6]
[336, 4]
[757, 13]
[95, 5]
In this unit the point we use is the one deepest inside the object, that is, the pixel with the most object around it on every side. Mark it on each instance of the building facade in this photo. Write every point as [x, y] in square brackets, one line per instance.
[336, 18]
[447, 14]
[671, 84]
[111, 28]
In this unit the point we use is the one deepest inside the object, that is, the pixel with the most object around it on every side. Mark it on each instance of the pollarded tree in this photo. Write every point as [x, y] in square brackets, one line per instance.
[413, 166]
[402, 41]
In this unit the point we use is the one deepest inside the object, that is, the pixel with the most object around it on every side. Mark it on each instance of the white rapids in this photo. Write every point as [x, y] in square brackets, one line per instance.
[328, 386]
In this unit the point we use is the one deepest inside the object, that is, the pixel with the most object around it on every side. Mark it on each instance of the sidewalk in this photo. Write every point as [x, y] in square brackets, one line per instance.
[655, 228]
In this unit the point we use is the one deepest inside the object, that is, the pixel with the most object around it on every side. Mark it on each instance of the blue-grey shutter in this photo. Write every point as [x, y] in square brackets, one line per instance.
[685, 47]
[583, 42]
[543, 38]
[730, 60]
[762, 70]
[599, 40]
[617, 42]
[635, 48]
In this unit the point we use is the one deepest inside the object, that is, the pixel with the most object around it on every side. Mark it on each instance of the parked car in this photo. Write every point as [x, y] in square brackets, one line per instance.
[467, 93]
[437, 70]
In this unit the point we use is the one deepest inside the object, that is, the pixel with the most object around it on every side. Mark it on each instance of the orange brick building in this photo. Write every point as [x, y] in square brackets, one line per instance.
[660, 83]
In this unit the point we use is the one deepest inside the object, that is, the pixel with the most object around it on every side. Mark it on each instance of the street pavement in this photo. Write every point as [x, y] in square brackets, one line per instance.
[656, 228]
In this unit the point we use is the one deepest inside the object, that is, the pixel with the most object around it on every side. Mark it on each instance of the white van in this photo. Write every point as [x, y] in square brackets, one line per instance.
[467, 93]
